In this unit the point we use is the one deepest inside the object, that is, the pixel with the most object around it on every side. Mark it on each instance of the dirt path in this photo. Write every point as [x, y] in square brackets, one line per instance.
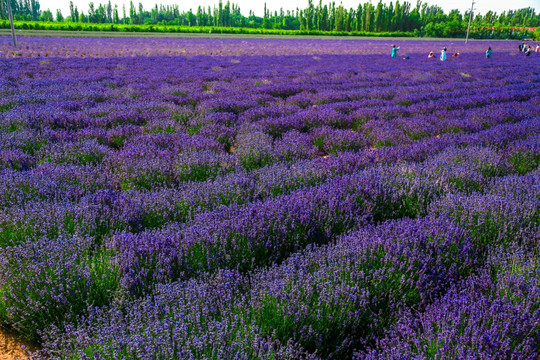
[10, 346]
[122, 34]
[125, 34]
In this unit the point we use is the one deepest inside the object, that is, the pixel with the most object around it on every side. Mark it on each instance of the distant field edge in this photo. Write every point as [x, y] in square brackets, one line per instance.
[175, 30]
[154, 34]
[141, 34]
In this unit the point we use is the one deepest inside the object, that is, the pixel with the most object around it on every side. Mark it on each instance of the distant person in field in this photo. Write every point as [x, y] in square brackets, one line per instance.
[394, 51]
[431, 55]
[520, 47]
[537, 47]
[489, 52]
[528, 51]
[443, 54]
[406, 57]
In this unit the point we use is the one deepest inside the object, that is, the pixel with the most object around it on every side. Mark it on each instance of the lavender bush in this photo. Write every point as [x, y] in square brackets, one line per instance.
[493, 314]
[322, 302]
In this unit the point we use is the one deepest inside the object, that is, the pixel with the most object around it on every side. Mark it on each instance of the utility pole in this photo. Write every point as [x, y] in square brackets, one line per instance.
[10, 12]
[470, 19]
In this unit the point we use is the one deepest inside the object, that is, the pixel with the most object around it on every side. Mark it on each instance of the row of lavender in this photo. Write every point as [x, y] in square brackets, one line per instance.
[120, 178]
[51, 200]
[193, 130]
[80, 124]
[379, 292]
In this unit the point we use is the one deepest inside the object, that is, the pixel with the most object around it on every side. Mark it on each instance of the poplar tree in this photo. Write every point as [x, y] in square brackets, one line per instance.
[72, 12]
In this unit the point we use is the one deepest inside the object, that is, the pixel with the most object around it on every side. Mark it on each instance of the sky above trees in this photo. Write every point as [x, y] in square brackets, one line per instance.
[257, 6]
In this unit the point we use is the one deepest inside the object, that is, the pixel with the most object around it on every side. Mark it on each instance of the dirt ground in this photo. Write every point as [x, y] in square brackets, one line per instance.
[121, 34]
[10, 346]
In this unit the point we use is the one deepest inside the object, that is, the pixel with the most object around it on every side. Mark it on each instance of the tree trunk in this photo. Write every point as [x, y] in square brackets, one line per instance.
[11, 23]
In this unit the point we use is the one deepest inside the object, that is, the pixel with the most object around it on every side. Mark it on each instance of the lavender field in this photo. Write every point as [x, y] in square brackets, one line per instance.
[269, 199]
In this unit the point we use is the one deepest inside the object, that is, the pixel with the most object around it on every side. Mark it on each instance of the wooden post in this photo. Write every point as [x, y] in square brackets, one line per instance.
[469, 27]
[10, 12]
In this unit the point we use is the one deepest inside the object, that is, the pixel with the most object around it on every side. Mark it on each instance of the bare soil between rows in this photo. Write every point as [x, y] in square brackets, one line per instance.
[11, 346]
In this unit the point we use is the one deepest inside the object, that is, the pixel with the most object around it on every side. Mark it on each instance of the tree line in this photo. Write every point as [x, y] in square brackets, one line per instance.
[421, 19]
[22, 9]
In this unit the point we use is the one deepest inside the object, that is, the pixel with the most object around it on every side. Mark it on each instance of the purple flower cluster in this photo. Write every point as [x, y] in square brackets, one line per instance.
[325, 299]
[263, 232]
[493, 314]
[268, 198]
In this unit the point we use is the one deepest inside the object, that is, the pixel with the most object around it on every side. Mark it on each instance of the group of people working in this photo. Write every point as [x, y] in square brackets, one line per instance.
[523, 47]
[443, 54]
[432, 55]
